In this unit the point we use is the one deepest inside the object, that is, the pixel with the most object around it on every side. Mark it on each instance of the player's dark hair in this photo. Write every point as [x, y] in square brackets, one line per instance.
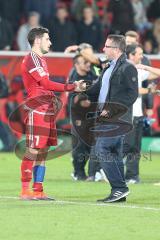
[36, 32]
[131, 49]
[118, 41]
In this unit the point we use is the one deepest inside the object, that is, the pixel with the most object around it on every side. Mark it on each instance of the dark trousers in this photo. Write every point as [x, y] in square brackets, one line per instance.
[133, 149]
[93, 164]
[7, 137]
[80, 155]
[110, 154]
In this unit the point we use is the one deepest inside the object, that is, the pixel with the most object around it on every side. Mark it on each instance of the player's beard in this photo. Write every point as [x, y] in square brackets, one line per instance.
[44, 51]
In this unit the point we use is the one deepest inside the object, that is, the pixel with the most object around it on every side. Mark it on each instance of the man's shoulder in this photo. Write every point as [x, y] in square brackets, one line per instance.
[24, 28]
[127, 65]
[72, 75]
[146, 61]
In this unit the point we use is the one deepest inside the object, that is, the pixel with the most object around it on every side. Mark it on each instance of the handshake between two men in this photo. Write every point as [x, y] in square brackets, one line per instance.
[80, 86]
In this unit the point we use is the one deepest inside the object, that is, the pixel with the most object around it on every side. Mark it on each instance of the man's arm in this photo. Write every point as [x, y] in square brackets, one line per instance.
[131, 85]
[154, 72]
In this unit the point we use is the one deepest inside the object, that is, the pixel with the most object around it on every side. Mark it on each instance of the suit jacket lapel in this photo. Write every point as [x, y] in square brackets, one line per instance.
[119, 62]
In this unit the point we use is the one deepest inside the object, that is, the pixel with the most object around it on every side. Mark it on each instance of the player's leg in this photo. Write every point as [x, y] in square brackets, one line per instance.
[31, 154]
[39, 170]
[39, 174]
[26, 172]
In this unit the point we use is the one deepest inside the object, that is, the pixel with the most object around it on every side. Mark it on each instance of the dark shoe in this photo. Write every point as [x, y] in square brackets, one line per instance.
[81, 178]
[122, 199]
[116, 196]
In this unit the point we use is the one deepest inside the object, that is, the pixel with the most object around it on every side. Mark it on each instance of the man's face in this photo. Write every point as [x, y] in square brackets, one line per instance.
[88, 13]
[110, 49]
[83, 65]
[137, 57]
[34, 21]
[45, 43]
[131, 40]
[62, 14]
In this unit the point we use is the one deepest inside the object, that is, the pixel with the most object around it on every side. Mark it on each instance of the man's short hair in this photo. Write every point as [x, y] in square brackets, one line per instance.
[76, 57]
[132, 34]
[33, 14]
[84, 46]
[131, 49]
[118, 40]
[36, 32]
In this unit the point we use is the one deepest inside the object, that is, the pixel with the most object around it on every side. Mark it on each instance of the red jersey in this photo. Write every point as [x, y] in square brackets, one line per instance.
[34, 68]
[36, 80]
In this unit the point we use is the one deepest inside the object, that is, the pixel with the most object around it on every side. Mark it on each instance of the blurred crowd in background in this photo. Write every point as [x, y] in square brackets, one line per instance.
[75, 21]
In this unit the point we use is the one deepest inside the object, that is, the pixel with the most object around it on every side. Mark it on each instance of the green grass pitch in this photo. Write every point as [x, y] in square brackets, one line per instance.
[75, 215]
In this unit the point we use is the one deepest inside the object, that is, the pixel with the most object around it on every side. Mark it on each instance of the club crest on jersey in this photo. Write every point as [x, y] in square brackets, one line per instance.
[41, 72]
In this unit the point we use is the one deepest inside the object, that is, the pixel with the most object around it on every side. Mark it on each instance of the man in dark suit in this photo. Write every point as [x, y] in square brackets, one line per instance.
[117, 89]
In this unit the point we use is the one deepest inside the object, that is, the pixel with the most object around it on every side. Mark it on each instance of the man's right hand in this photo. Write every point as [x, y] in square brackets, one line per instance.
[80, 86]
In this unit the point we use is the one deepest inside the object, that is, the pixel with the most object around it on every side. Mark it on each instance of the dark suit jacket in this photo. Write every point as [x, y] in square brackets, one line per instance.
[123, 86]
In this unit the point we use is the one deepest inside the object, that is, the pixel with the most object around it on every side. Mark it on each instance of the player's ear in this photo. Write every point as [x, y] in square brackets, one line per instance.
[37, 40]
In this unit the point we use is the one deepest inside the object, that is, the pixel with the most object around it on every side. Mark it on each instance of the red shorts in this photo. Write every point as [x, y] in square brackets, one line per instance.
[40, 130]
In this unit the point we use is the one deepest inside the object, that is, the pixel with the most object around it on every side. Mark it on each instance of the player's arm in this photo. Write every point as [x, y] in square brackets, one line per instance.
[40, 76]
[153, 72]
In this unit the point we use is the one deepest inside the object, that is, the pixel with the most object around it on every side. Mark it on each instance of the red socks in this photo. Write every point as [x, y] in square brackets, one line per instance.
[37, 187]
[26, 172]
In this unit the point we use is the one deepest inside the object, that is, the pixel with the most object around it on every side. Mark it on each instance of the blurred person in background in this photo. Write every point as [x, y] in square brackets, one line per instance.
[135, 55]
[85, 50]
[122, 16]
[46, 9]
[89, 29]
[140, 18]
[133, 37]
[6, 34]
[62, 30]
[148, 46]
[80, 153]
[154, 35]
[6, 135]
[153, 11]
[32, 22]
[12, 11]
[77, 7]
[147, 3]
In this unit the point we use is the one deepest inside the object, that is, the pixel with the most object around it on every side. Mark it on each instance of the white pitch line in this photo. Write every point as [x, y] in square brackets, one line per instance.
[117, 205]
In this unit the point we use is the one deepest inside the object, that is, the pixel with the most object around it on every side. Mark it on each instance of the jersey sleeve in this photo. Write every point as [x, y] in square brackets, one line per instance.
[36, 70]
[34, 67]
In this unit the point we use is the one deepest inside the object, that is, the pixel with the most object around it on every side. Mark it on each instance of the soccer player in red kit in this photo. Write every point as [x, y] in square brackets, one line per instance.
[41, 110]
